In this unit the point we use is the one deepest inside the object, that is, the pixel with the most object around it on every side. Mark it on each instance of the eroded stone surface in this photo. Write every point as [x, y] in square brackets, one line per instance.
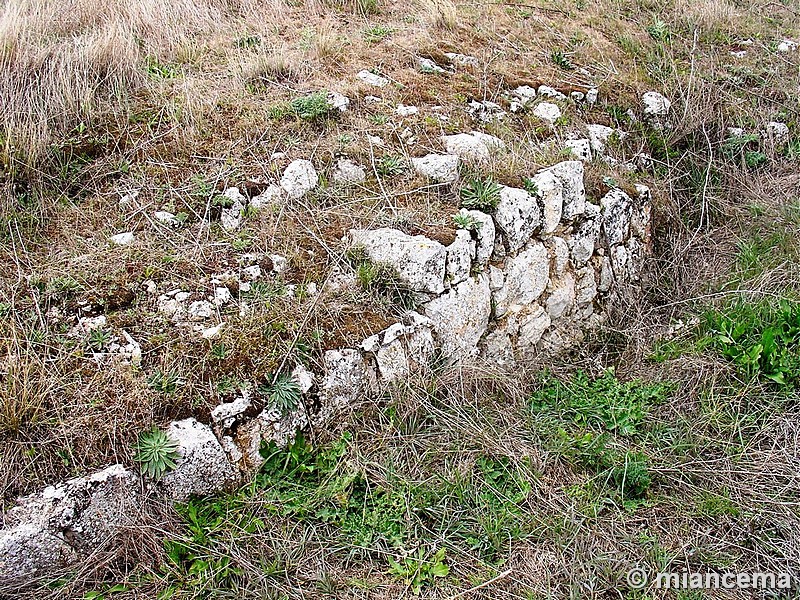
[517, 216]
[402, 348]
[439, 167]
[526, 279]
[460, 317]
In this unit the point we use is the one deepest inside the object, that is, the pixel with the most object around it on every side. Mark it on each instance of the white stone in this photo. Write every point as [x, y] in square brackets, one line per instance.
[550, 92]
[460, 255]
[200, 310]
[591, 95]
[484, 234]
[279, 263]
[570, 174]
[272, 196]
[226, 414]
[474, 146]
[122, 239]
[402, 348]
[131, 351]
[527, 276]
[655, 105]
[167, 218]
[577, 96]
[65, 522]
[304, 378]
[222, 295]
[347, 377]
[606, 273]
[405, 111]
[252, 272]
[616, 208]
[546, 111]
[598, 137]
[202, 466]
[426, 65]
[559, 255]
[486, 111]
[462, 60]
[338, 101]
[460, 317]
[497, 348]
[550, 192]
[517, 216]
[418, 261]
[561, 296]
[372, 79]
[584, 238]
[231, 217]
[787, 46]
[580, 148]
[299, 178]
[528, 325]
[348, 173]
[585, 286]
[777, 132]
[86, 325]
[439, 167]
[212, 333]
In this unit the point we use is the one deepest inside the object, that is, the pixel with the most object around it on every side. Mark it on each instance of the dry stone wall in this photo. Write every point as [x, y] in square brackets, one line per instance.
[528, 279]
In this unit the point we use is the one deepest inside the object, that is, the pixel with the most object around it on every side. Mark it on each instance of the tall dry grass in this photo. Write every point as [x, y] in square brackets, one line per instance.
[64, 61]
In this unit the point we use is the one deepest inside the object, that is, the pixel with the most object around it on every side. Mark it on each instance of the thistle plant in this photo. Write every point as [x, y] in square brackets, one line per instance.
[156, 452]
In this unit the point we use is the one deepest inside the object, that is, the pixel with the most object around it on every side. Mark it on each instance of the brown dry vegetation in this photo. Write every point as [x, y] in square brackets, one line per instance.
[178, 101]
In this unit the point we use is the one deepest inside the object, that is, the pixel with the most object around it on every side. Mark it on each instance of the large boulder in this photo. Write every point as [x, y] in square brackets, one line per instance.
[617, 209]
[442, 168]
[202, 467]
[419, 262]
[526, 278]
[64, 522]
[517, 216]
[461, 316]
[550, 192]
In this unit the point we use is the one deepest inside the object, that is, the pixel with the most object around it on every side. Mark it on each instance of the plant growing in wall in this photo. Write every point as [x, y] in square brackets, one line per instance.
[156, 452]
[480, 194]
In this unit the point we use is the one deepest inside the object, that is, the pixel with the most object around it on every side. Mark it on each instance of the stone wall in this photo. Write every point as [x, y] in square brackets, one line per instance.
[526, 280]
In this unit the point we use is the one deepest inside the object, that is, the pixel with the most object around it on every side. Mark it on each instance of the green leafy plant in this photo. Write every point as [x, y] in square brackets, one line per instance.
[283, 393]
[529, 185]
[376, 33]
[388, 166]
[419, 571]
[480, 194]
[164, 382]
[312, 107]
[561, 60]
[248, 41]
[762, 339]
[467, 222]
[156, 452]
[99, 338]
[659, 31]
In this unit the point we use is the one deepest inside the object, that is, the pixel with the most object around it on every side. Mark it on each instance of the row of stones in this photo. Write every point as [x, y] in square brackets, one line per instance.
[525, 279]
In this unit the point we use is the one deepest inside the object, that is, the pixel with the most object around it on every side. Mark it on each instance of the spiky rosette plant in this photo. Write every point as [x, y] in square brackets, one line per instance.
[480, 194]
[156, 453]
[284, 394]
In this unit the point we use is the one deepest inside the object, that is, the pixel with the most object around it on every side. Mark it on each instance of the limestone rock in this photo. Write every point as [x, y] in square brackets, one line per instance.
[517, 216]
[299, 178]
[547, 112]
[474, 146]
[598, 137]
[559, 255]
[776, 132]
[584, 238]
[405, 111]
[426, 65]
[418, 261]
[585, 286]
[348, 173]
[338, 101]
[561, 297]
[231, 217]
[527, 275]
[580, 148]
[498, 348]
[550, 192]
[56, 527]
[484, 235]
[460, 255]
[347, 377]
[442, 168]
[655, 105]
[372, 79]
[202, 467]
[200, 310]
[460, 317]
[551, 92]
[462, 60]
[402, 348]
[272, 196]
[570, 174]
[528, 325]
[122, 239]
[616, 207]
[167, 218]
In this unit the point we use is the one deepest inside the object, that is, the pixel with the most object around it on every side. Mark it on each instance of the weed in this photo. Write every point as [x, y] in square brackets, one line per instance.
[480, 194]
[389, 166]
[99, 338]
[761, 339]
[659, 30]
[164, 382]
[312, 107]
[467, 222]
[561, 60]
[156, 452]
[248, 41]
[283, 393]
[529, 185]
[420, 571]
[377, 33]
